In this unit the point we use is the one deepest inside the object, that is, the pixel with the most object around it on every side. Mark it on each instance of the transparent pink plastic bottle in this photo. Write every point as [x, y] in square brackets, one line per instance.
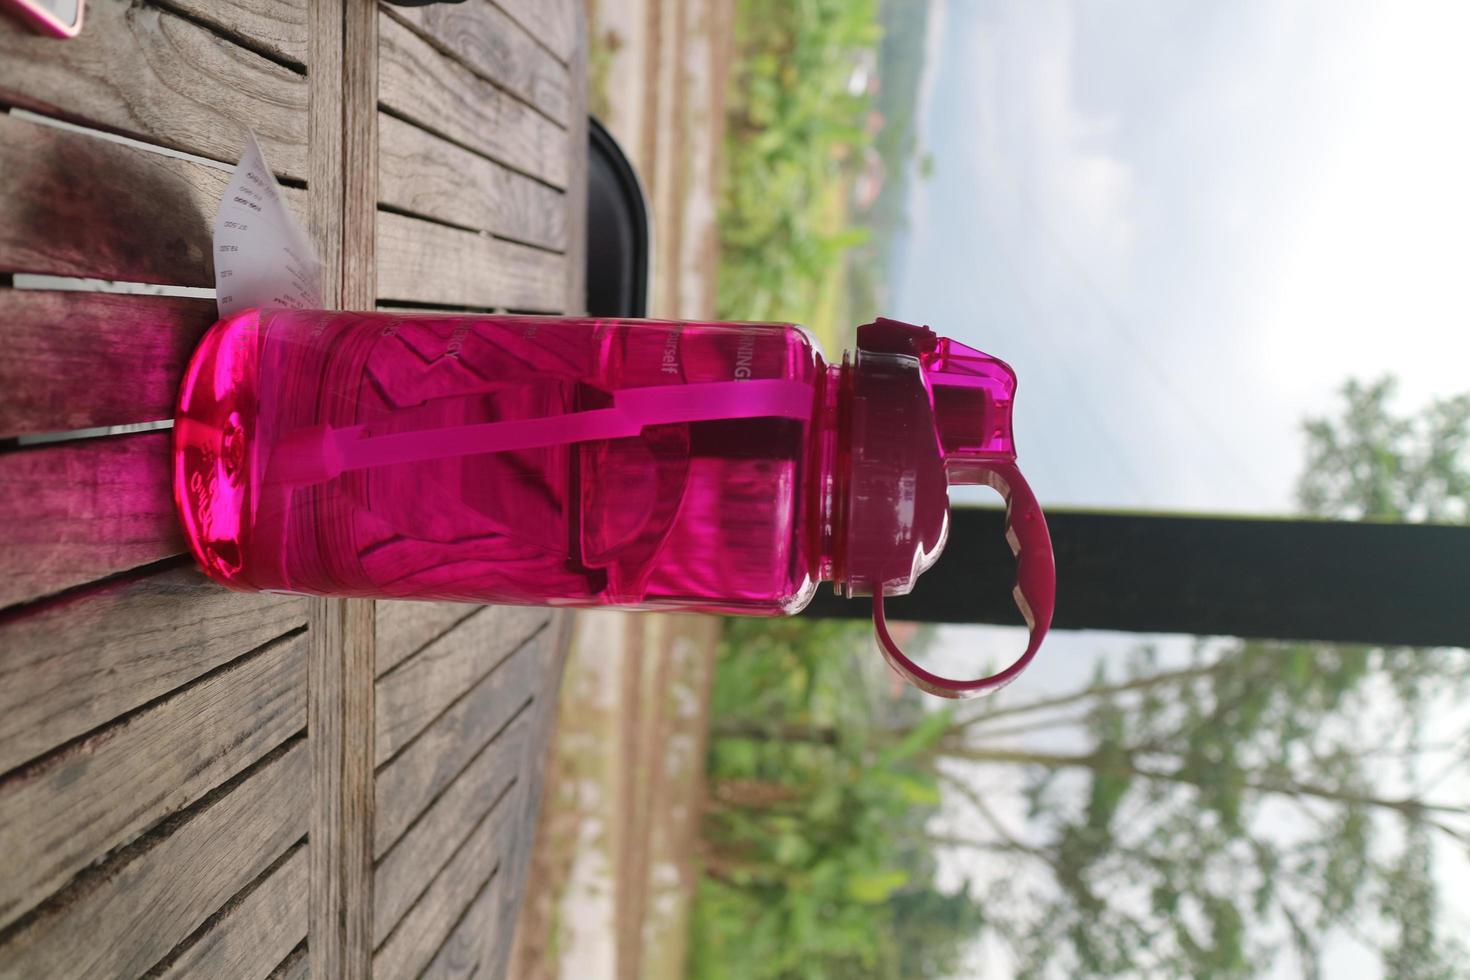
[716, 467]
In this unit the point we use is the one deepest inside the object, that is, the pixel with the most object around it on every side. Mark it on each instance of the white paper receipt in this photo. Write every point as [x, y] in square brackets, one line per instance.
[261, 256]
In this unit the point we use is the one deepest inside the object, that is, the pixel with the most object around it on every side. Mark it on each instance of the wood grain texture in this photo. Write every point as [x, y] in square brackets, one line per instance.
[495, 959]
[146, 73]
[531, 781]
[360, 94]
[63, 350]
[74, 512]
[404, 872]
[324, 129]
[407, 627]
[344, 94]
[101, 792]
[123, 917]
[407, 785]
[421, 262]
[297, 966]
[414, 693]
[340, 724]
[554, 24]
[78, 205]
[254, 932]
[410, 947]
[68, 665]
[576, 201]
[276, 26]
[470, 950]
[422, 173]
[420, 84]
[74, 204]
[496, 48]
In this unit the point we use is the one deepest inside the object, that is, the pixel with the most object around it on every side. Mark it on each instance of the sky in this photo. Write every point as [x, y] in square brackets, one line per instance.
[1185, 226]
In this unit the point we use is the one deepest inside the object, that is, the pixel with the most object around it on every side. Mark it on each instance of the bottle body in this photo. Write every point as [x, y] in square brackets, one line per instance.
[559, 461]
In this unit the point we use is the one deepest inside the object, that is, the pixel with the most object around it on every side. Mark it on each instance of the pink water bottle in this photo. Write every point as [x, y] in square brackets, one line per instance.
[718, 467]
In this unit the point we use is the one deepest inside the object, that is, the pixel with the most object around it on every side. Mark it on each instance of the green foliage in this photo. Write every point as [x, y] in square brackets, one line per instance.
[814, 857]
[794, 140]
[1206, 820]
[1176, 862]
[1371, 464]
[931, 928]
[901, 57]
[1410, 902]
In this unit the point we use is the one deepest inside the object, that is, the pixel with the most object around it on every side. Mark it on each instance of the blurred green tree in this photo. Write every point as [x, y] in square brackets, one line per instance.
[1374, 465]
[796, 133]
[1178, 817]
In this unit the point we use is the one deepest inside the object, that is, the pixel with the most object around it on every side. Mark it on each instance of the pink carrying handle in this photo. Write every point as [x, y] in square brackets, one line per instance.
[1035, 591]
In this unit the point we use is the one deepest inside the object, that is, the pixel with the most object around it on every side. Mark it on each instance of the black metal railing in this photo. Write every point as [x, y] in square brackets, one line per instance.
[1393, 584]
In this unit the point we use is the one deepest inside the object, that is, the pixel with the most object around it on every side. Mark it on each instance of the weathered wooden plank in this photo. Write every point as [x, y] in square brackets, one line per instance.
[407, 785]
[341, 736]
[124, 916]
[391, 306]
[532, 784]
[297, 966]
[78, 205]
[554, 24]
[470, 949]
[360, 95]
[144, 72]
[407, 627]
[405, 870]
[276, 26]
[343, 161]
[324, 128]
[424, 174]
[422, 262]
[411, 696]
[73, 512]
[71, 808]
[74, 204]
[497, 49]
[63, 350]
[422, 85]
[496, 939]
[255, 932]
[410, 947]
[71, 664]
[576, 201]
[294, 967]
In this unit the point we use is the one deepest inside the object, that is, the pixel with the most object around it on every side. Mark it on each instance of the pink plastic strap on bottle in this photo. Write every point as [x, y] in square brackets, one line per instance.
[317, 454]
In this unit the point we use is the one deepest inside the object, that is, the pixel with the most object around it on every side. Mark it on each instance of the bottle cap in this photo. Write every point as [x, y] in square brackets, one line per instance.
[927, 413]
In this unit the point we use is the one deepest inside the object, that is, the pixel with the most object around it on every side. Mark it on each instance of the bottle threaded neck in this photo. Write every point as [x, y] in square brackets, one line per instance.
[831, 465]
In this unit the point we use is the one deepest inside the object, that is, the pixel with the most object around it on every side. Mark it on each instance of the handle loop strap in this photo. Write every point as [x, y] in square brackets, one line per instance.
[1034, 592]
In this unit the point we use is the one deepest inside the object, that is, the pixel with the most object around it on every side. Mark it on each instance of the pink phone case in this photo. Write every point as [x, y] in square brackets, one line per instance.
[45, 19]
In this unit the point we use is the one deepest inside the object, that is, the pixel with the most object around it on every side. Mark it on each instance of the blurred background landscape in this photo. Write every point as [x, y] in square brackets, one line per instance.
[1226, 254]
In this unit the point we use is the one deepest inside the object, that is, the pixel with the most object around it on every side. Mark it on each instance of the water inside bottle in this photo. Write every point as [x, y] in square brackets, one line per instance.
[281, 409]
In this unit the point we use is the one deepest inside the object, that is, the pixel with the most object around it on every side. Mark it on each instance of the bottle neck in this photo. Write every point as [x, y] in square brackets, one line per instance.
[884, 509]
[831, 463]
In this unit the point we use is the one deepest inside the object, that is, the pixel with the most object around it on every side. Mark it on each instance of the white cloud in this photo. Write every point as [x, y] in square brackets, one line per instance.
[1374, 273]
[1040, 151]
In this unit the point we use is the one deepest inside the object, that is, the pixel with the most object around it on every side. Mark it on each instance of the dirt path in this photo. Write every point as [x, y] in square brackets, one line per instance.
[614, 872]
[664, 66]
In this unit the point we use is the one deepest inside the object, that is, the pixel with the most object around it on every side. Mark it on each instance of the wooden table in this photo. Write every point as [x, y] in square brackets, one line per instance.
[198, 782]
